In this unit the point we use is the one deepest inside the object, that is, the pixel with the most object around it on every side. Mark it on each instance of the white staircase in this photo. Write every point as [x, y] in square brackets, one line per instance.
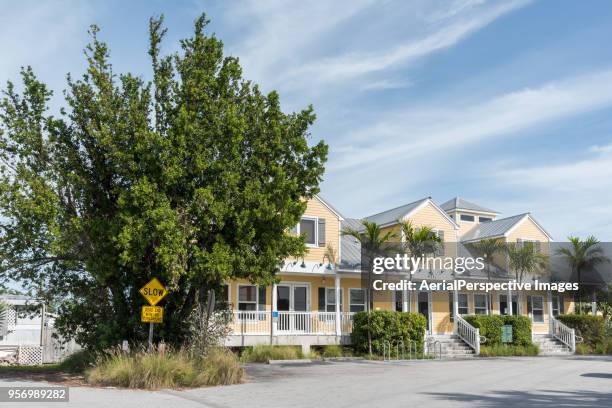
[550, 346]
[449, 346]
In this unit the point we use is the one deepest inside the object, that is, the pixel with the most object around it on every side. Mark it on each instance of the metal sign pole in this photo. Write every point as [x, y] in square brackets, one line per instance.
[150, 337]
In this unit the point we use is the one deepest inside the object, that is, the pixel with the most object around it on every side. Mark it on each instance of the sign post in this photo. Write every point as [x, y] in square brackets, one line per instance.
[153, 292]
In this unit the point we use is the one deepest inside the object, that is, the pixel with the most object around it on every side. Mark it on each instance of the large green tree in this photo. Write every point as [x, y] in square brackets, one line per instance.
[193, 177]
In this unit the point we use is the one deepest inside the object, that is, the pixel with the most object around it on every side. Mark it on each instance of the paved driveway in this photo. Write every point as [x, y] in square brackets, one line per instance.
[550, 382]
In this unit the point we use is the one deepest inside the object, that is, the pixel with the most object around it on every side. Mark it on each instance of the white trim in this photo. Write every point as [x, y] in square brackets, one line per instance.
[441, 211]
[329, 207]
[494, 214]
[316, 230]
[527, 216]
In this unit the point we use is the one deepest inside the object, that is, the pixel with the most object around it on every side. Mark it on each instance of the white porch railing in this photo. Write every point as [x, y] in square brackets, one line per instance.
[468, 333]
[563, 333]
[290, 323]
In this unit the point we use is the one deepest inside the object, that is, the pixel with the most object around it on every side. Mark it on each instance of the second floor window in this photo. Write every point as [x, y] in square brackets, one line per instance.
[466, 217]
[313, 230]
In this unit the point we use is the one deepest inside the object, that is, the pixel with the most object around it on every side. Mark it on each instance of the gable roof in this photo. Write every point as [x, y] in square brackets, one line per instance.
[329, 206]
[499, 228]
[459, 203]
[392, 216]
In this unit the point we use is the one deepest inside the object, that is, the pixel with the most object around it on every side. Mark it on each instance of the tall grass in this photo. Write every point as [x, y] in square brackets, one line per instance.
[500, 350]
[172, 369]
[265, 353]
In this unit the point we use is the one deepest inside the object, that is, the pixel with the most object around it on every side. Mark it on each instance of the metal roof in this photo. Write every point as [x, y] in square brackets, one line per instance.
[459, 203]
[495, 228]
[394, 214]
[350, 248]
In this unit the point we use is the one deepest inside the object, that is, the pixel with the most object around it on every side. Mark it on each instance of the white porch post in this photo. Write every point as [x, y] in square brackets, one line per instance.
[404, 300]
[509, 303]
[274, 309]
[550, 312]
[455, 309]
[338, 300]
[594, 304]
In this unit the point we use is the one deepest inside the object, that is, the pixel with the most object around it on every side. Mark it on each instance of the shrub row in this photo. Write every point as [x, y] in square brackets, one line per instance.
[500, 350]
[388, 326]
[491, 327]
[591, 328]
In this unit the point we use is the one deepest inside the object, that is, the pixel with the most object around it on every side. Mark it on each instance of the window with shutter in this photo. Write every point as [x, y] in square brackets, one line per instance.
[321, 302]
[321, 231]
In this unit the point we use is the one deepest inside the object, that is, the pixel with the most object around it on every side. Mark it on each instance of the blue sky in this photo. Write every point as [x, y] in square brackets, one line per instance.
[507, 104]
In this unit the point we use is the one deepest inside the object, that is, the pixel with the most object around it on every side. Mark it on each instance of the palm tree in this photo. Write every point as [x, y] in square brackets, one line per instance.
[373, 241]
[581, 255]
[525, 259]
[418, 241]
[488, 248]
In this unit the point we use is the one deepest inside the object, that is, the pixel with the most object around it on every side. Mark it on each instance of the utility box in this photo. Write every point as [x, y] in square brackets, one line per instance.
[506, 333]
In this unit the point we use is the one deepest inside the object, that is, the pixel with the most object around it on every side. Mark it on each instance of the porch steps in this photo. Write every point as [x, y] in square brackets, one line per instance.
[451, 346]
[550, 346]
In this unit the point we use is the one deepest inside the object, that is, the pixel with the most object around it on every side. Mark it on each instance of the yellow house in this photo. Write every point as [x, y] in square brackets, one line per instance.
[317, 295]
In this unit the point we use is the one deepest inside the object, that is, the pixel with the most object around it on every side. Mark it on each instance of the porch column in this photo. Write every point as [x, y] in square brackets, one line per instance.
[405, 300]
[273, 309]
[594, 303]
[455, 309]
[509, 303]
[338, 300]
[550, 312]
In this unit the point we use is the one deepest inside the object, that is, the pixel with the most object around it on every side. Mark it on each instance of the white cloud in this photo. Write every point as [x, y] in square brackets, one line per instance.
[385, 84]
[355, 64]
[415, 132]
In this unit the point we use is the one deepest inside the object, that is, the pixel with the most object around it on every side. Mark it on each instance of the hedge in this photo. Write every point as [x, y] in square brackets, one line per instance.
[491, 327]
[388, 326]
[591, 328]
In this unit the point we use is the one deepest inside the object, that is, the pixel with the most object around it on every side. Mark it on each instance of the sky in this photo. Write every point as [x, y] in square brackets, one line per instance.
[504, 103]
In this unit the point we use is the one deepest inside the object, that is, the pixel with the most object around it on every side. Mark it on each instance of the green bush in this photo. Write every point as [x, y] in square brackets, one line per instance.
[491, 327]
[500, 350]
[591, 328]
[265, 353]
[164, 370]
[388, 326]
[582, 349]
[78, 362]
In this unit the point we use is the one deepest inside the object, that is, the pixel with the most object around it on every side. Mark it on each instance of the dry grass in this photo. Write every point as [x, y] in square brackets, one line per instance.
[172, 369]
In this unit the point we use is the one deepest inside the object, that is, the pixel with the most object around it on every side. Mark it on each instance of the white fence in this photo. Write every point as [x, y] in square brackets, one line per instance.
[290, 323]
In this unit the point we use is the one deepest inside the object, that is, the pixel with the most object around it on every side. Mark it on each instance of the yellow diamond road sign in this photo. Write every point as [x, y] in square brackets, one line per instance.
[152, 314]
[153, 291]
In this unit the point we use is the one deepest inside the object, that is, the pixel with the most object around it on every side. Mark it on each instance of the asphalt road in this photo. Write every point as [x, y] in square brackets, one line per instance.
[550, 382]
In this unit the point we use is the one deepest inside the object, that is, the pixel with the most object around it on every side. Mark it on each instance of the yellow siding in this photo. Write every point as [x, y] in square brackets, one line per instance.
[429, 216]
[332, 229]
[440, 313]
[527, 229]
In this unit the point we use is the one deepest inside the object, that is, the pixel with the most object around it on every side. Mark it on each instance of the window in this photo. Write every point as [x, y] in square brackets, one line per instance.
[485, 219]
[535, 305]
[465, 217]
[251, 298]
[463, 304]
[222, 297]
[327, 300]
[308, 228]
[480, 304]
[357, 300]
[557, 305]
[520, 242]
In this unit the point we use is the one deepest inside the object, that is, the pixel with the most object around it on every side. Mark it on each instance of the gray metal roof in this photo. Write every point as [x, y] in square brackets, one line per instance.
[350, 252]
[460, 203]
[394, 214]
[494, 228]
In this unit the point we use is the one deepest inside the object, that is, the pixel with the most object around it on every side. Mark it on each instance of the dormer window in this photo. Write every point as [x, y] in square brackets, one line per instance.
[467, 218]
[484, 219]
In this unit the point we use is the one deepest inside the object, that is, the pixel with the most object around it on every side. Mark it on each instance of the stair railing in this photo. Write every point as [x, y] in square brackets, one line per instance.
[468, 333]
[564, 334]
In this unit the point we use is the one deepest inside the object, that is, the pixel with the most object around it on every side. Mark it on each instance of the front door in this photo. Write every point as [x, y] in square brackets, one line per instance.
[423, 306]
[292, 298]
